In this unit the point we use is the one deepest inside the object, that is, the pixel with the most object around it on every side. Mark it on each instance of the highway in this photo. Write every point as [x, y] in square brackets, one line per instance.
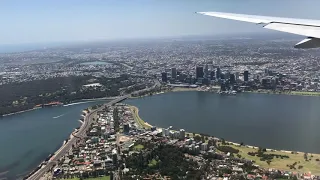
[65, 148]
[81, 133]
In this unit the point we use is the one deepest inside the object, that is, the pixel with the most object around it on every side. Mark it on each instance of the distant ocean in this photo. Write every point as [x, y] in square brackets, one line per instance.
[11, 48]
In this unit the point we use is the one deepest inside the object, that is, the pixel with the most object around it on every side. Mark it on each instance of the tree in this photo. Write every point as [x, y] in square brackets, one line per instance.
[203, 139]
[116, 119]
[269, 161]
[223, 141]
[197, 138]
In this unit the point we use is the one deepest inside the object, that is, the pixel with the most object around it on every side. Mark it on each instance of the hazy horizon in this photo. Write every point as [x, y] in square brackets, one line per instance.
[37, 21]
[23, 47]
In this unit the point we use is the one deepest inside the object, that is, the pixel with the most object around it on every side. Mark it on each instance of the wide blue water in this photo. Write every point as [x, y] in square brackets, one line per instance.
[28, 138]
[265, 120]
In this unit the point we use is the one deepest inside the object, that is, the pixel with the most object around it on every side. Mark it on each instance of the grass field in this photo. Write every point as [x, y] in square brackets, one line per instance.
[298, 93]
[139, 121]
[305, 93]
[138, 147]
[98, 178]
[178, 89]
[152, 163]
[312, 165]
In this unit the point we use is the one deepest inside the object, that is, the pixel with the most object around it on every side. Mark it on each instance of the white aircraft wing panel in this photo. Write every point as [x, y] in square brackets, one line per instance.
[309, 31]
[262, 19]
[305, 27]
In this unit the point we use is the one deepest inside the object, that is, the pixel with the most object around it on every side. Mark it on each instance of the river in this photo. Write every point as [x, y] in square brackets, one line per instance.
[281, 122]
[28, 138]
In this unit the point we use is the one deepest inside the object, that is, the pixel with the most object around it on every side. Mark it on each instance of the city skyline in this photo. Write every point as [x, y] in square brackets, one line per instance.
[59, 21]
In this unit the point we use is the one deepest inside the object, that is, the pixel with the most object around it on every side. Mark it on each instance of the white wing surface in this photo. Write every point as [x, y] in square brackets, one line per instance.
[304, 27]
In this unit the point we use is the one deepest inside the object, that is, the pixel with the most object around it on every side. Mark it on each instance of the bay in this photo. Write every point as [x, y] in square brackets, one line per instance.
[280, 122]
[26, 139]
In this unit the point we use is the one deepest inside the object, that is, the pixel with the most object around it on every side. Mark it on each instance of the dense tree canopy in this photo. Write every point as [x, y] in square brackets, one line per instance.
[164, 159]
[25, 95]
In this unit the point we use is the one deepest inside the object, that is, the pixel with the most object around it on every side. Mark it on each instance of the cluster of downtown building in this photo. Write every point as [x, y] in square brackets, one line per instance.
[215, 75]
[203, 75]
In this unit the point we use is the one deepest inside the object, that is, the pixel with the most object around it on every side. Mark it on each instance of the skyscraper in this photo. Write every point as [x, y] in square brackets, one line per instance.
[246, 75]
[174, 73]
[232, 78]
[199, 72]
[218, 75]
[237, 75]
[206, 71]
[126, 128]
[212, 74]
[164, 77]
[182, 134]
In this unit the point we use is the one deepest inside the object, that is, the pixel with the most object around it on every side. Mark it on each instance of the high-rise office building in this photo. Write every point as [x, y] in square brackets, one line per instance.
[199, 72]
[212, 74]
[237, 75]
[232, 78]
[218, 73]
[206, 71]
[204, 147]
[174, 73]
[226, 75]
[126, 128]
[246, 75]
[223, 87]
[222, 76]
[164, 77]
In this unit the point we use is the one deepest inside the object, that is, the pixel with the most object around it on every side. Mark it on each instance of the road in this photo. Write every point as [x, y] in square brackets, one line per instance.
[65, 148]
[81, 133]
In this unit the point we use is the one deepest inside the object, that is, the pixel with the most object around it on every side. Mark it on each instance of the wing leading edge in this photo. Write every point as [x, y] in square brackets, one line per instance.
[304, 27]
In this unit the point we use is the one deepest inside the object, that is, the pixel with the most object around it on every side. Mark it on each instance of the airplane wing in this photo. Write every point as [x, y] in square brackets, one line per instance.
[304, 27]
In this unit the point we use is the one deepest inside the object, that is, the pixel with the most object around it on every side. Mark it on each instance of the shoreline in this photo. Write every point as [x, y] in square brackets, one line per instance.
[149, 125]
[72, 135]
[294, 154]
[292, 93]
[179, 89]
[19, 112]
[199, 89]
[80, 101]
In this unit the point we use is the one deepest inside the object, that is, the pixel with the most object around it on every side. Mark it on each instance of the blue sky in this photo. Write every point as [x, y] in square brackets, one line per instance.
[38, 21]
